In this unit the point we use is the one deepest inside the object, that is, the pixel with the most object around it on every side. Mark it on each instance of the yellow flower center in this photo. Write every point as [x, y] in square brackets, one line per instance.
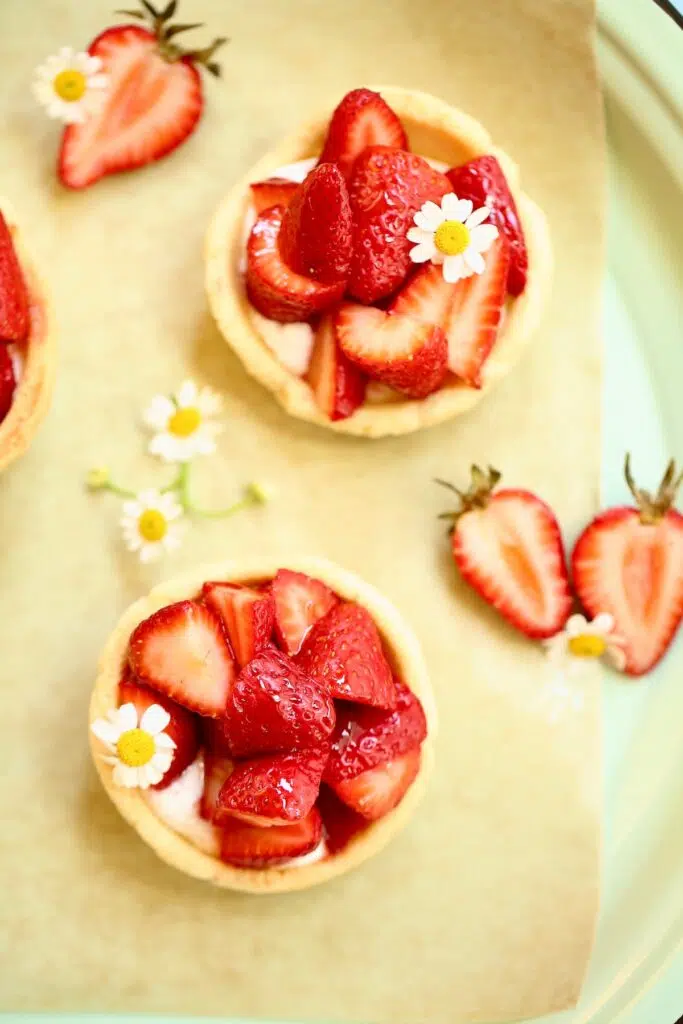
[70, 85]
[185, 421]
[135, 747]
[451, 237]
[587, 645]
[152, 525]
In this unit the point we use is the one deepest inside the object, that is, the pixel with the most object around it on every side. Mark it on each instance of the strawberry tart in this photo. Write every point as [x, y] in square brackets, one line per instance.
[27, 348]
[380, 269]
[264, 728]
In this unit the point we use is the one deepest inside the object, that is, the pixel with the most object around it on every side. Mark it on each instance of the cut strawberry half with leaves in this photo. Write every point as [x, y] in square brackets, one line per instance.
[508, 546]
[275, 290]
[362, 119]
[8, 382]
[300, 601]
[482, 180]
[316, 235]
[217, 770]
[273, 790]
[182, 651]
[374, 793]
[272, 192]
[407, 354]
[628, 562]
[247, 614]
[344, 654]
[183, 727]
[153, 100]
[14, 311]
[337, 383]
[248, 846]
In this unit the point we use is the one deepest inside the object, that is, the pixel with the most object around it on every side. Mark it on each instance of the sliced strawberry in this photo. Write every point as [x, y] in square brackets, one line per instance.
[341, 824]
[362, 119]
[482, 180]
[273, 289]
[273, 790]
[337, 383]
[407, 354]
[272, 192]
[248, 846]
[182, 651]
[387, 188]
[425, 296]
[316, 234]
[247, 614]
[344, 654]
[215, 736]
[8, 381]
[299, 602]
[217, 769]
[374, 793]
[14, 312]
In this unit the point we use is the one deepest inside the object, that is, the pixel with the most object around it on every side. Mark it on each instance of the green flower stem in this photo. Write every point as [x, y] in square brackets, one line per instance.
[223, 513]
[120, 492]
[251, 497]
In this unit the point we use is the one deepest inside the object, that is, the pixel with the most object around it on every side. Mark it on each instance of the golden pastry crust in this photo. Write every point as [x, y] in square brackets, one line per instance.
[402, 648]
[443, 133]
[34, 390]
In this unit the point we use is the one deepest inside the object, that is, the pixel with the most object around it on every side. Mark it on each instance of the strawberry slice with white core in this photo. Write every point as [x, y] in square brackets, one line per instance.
[376, 792]
[217, 770]
[362, 119]
[272, 192]
[249, 846]
[426, 296]
[299, 602]
[337, 383]
[247, 614]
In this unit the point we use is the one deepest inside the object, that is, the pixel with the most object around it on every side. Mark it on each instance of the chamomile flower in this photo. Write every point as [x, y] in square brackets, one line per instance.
[581, 644]
[184, 424]
[70, 85]
[452, 234]
[150, 524]
[138, 749]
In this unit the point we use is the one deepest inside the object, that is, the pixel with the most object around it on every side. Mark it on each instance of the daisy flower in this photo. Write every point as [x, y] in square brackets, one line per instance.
[582, 643]
[149, 524]
[70, 85]
[184, 424]
[139, 750]
[453, 235]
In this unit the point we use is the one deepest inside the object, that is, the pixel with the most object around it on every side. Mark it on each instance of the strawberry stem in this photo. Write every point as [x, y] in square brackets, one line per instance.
[482, 484]
[652, 508]
[165, 33]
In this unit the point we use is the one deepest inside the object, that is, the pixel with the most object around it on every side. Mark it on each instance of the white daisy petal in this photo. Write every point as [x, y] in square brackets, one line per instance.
[575, 624]
[423, 252]
[462, 210]
[187, 394]
[127, 717]
[158, 412]
[164, 742]
[105, 731]
[151, 552]
[124, 775]
[478, 217]
[450, 204]
[615, 657]
[430, 216]
[483, 236]
[453, 269]
[474, 260]
[419, 235]
[602, 624]
[209, 402]
[155, 719]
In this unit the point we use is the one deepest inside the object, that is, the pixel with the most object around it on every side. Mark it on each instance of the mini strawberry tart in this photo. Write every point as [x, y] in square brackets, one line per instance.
[263, 728]
[27, 346]
[381, 270]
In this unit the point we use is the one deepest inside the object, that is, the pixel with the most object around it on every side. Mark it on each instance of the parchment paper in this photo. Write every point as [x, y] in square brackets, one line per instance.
[484, 908]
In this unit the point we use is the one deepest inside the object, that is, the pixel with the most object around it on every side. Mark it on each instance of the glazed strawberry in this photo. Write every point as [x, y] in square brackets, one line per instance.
[248, 616]
[299, 602]
[248, 846]
[344, 654]
[215, 736]
[14, 313]
[425, 296]
[315, 238]
[628, 562]
[217, 770]
[337, 383]
[362, 119]
[183, 652]
[387, 188]
[154, 100]
[508, 546]
[374, 793]
[8, 382]
[276, 707]
[273, 288]
[407, 354]
[272, 192]
[482, 180]
[274, 790]
[341, 824]
[183, 727]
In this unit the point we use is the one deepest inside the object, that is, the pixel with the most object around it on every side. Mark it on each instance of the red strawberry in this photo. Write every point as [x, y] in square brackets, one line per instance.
[217, 769]
[273, 289]
[273, 790]
[482, 180]
[248, 846]
[153, 101]
[315, 238]
[215, 736]
[425, 296]
[8, 382]
[387, 188]
[508, 546]
[341, 824]
[272, 192]
[14, 313]
[299, 602]
[407, 354]
[248, 616]
[362, 119]
[376, 792]
[336, 382]
[628, 562]
[183, 652]
[344, 654]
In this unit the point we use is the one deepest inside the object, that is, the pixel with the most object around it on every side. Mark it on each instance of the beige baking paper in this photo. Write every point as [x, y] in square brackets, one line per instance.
[484, 908]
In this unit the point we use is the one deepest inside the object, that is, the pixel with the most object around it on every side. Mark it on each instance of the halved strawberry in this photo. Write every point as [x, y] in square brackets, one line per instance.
[425, 296]
[273, 790]
[341, 824]
[362, 119]
[273, 288]
[374, 793]
[247, 614]
[217, 769]
[14, 311]
[299, 602]
[182, 651]
[249, 846]
[272, 192]
[215, 736]
[407, 354]
[344, 654]
[315, 238]
[8, 381]
[628, 562]
[183, 727]
[337, 383]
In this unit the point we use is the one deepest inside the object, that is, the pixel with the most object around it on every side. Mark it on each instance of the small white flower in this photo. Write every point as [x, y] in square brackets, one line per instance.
[582, 643]
[139, 750]
[452, 234]
[184, 424]
[149, 524]
[70, 85]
